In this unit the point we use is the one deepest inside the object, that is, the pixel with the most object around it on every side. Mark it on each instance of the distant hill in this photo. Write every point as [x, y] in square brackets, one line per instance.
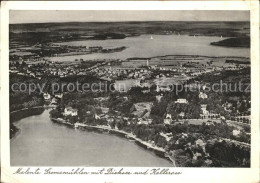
[30, 34]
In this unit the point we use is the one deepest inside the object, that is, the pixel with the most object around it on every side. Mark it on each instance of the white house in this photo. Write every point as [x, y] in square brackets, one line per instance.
[204, 110]
[182, 114]
[203, 95]
[168, 116]
[97, 116]
[158, 98]
[163, 88]
[236, 132]
[58, 95]
[145, 84]
[168, 119]
[54, 101]
[181, 101]
[46, 96]
[147, 90]
[143, 121]
[196, 156]
[69, 111]
[200, 142]
[167, 136]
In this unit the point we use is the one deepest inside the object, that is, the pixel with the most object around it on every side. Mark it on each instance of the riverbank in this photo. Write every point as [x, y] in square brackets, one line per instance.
[157, 150]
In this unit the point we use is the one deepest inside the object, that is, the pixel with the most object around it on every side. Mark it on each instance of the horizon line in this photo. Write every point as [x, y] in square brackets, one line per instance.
[133, 21]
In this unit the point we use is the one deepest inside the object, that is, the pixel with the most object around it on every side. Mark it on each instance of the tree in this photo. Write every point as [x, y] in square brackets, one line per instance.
[242, 107]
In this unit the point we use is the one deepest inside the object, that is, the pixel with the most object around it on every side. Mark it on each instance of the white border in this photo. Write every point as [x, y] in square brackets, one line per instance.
[188, 174]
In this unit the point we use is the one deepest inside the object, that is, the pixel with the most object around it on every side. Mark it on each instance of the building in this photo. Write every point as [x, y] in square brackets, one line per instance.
[162, 88]
[142, 109]
[181, 101]
[167, 136]
[69, 111]
[59, 95]
[97, 116]
[158, 98]
[144, 121]
[182, 114]
[142, 83]
[54, 101]
[168, 119]
[204, 110]
[196, 156]
[145, 84]
[203, 95]
[46, 96]
[146, 90]
[236, 132]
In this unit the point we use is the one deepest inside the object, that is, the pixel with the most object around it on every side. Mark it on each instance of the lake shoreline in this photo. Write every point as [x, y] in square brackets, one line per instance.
[160, 152]
[182, 55]
[14, 130]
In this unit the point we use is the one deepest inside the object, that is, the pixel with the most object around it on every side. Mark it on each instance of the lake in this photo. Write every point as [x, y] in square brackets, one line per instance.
[41, 142]
[144, 46]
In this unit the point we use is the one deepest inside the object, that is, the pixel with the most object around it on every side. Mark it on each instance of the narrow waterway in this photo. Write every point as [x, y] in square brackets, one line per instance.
[40, 142]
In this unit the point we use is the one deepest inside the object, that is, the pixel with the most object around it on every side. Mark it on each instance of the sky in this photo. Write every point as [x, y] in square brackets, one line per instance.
[44, 16]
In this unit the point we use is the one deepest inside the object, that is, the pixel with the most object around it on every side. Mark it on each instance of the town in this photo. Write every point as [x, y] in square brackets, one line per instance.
[170, 108]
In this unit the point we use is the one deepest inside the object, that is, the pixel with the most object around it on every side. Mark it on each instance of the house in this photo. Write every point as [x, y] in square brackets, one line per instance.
[168, 119]
[158, 98]
[54, 101]
[204, 110]
[104, 109]
[203, 95]
[96, 116]
[184, 135]
[182, 114]
[142, 109]
[167, 136]
[200, 143]
[59, 95]
[163, 88]
[196, 156]
[181, 101]
[143, 121]
[110, 120]
[46, 96]
[69, 111]
[144, 84]
[223, 119]
[168, 116]
[146, 90]
[204, 87]
[236, 132]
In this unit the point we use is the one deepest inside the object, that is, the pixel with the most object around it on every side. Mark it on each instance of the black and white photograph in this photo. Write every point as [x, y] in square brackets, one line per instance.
[98, 88]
